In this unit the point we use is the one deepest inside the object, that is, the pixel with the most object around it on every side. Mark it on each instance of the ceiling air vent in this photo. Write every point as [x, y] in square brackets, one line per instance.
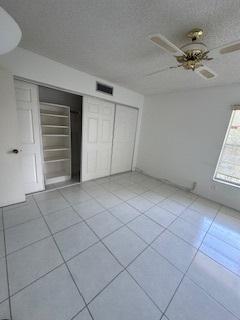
[104, 88]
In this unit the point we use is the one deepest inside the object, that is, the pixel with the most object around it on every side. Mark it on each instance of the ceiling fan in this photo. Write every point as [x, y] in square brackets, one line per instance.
[192, 56]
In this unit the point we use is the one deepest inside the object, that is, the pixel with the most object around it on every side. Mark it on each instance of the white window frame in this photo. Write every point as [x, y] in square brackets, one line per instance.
[235, 108]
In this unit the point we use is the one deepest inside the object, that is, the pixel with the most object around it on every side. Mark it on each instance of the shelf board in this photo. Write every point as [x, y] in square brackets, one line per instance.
[55, 148]
[50, 159]
[53, 115]
[55, 135]
[56, 177]
[53, 126]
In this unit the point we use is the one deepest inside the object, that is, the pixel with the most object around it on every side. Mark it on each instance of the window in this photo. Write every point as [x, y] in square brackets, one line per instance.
[228, 167]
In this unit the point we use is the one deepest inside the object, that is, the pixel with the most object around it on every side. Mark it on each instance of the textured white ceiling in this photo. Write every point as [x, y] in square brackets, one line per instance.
[108, 38]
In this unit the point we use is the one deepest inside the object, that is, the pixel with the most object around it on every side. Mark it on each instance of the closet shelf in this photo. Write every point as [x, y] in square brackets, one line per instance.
[53, 126]
[55, 148]
[53, 115]
[57, 174]
[51, 159]
[55, 135]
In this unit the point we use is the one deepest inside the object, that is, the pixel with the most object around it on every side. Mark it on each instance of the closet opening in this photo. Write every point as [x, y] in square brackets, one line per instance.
[61, 123]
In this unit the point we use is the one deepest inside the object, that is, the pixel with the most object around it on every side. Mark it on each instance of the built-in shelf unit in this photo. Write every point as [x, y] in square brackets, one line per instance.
[56, 141]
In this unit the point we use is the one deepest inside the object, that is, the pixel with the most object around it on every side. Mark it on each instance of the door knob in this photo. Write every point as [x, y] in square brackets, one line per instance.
[15, 151]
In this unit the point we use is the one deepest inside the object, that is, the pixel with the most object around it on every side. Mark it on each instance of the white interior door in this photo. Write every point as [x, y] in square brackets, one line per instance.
[11, 184]
[29, 132]
[124, 139]
[98, 116]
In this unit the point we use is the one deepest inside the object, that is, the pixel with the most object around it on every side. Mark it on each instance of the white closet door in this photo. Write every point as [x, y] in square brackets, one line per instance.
[29, 126]
[11, 185]
[98, 116]
[124, 139]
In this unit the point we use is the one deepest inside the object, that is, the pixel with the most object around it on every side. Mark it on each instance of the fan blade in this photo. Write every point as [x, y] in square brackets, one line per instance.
[161, 70]
[165, 44]
[226, 48]
[206, 73]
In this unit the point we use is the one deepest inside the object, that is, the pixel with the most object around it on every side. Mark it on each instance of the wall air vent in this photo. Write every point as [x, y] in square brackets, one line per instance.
[104, 88]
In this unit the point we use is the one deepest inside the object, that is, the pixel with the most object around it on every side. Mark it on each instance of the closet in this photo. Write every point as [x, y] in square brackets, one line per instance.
[108, 138]
[61, 127]
[56, 142]
[67, 138]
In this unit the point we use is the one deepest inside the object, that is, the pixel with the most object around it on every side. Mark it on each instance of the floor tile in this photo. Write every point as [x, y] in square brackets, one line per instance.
[138, 189]
[109, 200]
[192, 303]
[183, 197]
[161, 216]
[123, 299]
[29, 200]
[140, 203]
[145, 228]
[104, 223]
[52, 205]
[172, 206]
[188, 232]
[93, 270]
[3, 280]
[165, 190]
[175, 250]
[217, 281]
[20, 215]
[124, 245]
[151, 183]
[76, 195]
[202, 221]
[25, 234]
[46, 195]
[2, 247]
[111, 186]
[205, 206]
[124, 194]
[32, 262]
[103, 180]
[62, 219]
[152, 196]
[74, 240]
[88, 209]
[153, 272]
[84, 315]
[98, 192]
[227, 228]
[222, 253]
[124, 212]
[54, 296]
[4, 310]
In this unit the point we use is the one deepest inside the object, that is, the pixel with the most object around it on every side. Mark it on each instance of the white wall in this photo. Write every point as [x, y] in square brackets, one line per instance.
[31, 66]
[182, 135]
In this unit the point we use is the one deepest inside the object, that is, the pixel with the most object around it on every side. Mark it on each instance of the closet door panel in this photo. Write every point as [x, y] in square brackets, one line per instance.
[124, 139]
[98, 117]
[29, 131]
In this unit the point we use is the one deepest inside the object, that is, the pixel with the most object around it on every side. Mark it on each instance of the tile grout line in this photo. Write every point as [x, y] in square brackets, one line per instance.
[186, 276]
[81, 295]
[6, 266]
[124, 268]
[107, 209]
